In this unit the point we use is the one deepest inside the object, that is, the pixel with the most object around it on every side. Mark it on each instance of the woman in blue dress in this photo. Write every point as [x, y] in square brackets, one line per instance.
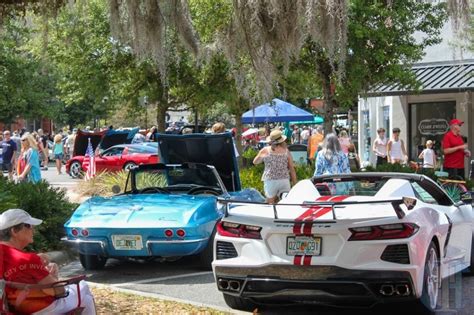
[31, 171]
[331, 159]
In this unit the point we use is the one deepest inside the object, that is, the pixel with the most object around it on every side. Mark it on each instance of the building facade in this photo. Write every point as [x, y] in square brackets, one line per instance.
[447, 84]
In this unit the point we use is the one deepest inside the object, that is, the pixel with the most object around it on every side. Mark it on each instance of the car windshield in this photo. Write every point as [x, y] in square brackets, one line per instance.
[175, 177]
[362, 187]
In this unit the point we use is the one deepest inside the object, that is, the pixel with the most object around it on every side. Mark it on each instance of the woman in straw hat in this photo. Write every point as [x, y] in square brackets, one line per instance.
[278, 167]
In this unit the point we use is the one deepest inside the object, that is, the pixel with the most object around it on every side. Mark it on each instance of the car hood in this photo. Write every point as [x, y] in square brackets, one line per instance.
[114, 137]
[147, 210]
[81, 141]
[217, 150]
[103, 139]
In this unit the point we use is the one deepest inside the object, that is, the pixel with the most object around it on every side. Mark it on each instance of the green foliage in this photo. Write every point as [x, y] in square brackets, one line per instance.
[26, 86]
[43, 202]
[250, 154]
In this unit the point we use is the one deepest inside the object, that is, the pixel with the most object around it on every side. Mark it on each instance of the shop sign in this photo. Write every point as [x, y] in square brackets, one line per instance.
[433, 126]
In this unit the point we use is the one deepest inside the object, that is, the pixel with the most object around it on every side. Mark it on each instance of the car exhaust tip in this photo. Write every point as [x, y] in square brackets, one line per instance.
[234, 285]
[402, 290]
[223, 284]
[387, 290]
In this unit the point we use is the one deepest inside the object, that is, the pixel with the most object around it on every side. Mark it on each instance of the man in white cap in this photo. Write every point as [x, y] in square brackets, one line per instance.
[16, 232]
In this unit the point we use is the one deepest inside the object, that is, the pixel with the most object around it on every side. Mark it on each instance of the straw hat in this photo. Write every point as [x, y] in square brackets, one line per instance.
[276, 137]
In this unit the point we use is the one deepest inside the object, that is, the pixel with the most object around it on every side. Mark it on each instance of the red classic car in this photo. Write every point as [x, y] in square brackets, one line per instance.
[116, 158]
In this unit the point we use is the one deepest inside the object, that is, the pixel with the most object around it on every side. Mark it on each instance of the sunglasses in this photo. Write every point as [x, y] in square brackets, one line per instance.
[27, 225]
[23, 140]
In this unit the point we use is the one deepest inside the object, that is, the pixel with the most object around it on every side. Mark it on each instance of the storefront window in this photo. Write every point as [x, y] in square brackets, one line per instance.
[428, 121]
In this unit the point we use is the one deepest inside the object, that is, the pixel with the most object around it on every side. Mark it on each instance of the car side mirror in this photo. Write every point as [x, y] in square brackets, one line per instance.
[466, 198]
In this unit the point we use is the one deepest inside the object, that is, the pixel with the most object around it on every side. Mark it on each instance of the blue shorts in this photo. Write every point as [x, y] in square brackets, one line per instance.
[58, 156]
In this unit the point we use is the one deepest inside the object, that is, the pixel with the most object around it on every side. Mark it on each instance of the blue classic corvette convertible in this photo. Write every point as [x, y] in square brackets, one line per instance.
[167, 210]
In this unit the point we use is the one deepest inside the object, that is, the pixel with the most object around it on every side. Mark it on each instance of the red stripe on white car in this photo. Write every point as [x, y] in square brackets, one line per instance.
[308, 213]
[307, 219]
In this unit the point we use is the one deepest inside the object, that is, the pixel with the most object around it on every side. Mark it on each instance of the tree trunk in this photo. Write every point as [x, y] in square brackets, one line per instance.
[328, 105]
[161, 108]
[238, 137]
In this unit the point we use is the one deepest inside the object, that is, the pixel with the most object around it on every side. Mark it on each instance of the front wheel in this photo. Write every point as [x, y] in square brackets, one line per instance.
[75, 169]
[238, 303]
[431, 279]
[92, 262]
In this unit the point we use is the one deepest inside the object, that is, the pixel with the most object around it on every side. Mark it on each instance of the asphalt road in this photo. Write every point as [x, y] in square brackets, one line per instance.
[184, 280]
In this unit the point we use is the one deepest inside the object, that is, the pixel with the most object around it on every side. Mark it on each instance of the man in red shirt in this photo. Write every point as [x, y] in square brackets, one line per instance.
[16, 232]
[454, 150]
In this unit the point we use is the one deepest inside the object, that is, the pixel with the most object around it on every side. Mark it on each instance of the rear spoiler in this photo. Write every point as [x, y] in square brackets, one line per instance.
[407, 201]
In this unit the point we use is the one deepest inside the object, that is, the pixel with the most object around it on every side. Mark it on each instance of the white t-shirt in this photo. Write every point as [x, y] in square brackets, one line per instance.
[428, 158]
[381, 147]
[305, 135]
[396, 150]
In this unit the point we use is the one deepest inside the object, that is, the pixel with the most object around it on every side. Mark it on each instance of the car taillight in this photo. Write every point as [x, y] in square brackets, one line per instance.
[180, 233]
[85, 233]
[74, 232]
[168, 233]
[238, 230]
[383, 232]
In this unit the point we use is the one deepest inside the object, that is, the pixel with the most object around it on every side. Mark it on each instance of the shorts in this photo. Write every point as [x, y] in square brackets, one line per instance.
[275, 187]
[7, 167]
[58, 156]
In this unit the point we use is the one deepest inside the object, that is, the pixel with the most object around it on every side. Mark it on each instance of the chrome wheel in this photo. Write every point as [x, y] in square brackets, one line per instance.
[75, 169]
[433, 277]
[129, 166]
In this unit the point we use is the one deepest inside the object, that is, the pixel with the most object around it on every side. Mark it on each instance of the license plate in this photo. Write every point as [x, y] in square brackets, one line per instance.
[127, 242]
[303, 245]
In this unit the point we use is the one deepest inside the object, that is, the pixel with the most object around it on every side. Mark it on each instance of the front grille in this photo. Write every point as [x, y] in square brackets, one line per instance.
[397, 254]
[225, 250]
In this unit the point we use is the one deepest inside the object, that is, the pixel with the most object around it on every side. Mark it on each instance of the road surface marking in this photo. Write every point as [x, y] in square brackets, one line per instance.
[202, 273]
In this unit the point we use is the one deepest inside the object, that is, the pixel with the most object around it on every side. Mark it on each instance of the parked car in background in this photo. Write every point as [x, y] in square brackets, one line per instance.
[116, 158]
[345, 240]
[167, 211]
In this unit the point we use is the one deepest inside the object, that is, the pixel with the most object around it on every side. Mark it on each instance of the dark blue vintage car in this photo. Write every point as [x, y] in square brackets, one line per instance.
[168, 210]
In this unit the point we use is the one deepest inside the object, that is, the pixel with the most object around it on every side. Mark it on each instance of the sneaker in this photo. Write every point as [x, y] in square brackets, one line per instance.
[45, 168]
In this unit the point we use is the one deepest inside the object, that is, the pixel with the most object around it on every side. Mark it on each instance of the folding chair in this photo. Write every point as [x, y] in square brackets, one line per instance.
[31, 297]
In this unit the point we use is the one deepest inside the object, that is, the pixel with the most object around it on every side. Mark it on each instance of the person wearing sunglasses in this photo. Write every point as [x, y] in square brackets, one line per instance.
[17, 228]
[30, 158]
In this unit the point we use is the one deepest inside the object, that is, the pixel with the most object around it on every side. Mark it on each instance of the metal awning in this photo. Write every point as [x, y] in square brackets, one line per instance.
[434, 78]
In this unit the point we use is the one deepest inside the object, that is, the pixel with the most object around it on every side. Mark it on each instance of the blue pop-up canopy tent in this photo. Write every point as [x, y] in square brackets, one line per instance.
[275, 111]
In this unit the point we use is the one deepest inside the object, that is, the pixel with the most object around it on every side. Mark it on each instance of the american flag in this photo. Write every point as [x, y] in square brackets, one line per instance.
[89, 162]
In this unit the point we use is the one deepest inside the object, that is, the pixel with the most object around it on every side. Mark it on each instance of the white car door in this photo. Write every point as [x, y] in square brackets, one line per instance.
[458, 247]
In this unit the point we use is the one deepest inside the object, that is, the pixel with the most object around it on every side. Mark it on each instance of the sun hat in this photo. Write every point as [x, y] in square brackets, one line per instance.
[456, 122]
[276, 137]
[13, 217]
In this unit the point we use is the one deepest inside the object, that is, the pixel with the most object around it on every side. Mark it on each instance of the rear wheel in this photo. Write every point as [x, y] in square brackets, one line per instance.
[431, 279]
[92, 262]
[207, 255]
[129, 166]
[239, 303]
[470, 271]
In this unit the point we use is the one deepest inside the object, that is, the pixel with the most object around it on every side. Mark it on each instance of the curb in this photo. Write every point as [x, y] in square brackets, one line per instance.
[165, 298]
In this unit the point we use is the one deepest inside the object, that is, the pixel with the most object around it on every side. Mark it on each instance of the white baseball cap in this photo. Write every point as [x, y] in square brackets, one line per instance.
[13, 217]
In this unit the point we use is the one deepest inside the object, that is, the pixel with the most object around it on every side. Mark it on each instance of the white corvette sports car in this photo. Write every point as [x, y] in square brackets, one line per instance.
[344, 240]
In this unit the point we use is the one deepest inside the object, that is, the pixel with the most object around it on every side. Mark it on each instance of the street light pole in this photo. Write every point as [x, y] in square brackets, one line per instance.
[145, 103]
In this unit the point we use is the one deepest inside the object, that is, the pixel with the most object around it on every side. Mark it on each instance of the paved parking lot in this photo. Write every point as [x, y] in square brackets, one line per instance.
[184, 280]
